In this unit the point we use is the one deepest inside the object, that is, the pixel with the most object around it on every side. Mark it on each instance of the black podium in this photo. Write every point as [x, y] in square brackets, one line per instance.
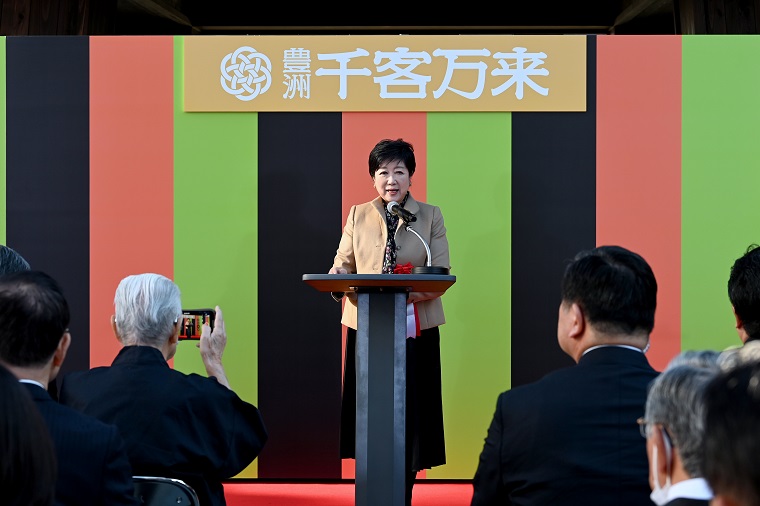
[380, 376]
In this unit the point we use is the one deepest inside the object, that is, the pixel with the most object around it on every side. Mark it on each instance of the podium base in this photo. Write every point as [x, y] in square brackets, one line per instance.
[430, 269]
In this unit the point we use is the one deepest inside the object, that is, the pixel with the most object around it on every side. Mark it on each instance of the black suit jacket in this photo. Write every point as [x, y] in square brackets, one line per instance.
[93, 468]
[570, 438]
[179, 425]
[680, 501]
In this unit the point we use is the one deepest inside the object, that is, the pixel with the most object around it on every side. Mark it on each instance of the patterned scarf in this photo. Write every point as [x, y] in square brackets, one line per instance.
[389, 260]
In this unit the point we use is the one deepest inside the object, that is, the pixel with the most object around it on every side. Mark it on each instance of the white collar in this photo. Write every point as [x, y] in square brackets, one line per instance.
[694, 488]
[614, 346]
[33, 382]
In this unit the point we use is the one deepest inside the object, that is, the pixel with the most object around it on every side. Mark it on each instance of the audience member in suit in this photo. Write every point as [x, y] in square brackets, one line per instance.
[12, 261]
[184, 426]
[571, 437]
[27, 456]
[93, 468]
[673, 425]
[732, 436]
[744, 294]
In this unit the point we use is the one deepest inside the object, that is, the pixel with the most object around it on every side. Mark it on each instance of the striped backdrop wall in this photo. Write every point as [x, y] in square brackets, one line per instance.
[105, 175]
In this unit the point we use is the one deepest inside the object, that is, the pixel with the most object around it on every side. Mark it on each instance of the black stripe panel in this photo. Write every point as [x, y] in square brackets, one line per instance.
[553, 217]
[48, 166]
[300, 360]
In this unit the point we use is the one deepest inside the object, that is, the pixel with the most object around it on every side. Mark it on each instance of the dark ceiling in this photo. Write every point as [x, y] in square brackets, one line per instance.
[243, 17]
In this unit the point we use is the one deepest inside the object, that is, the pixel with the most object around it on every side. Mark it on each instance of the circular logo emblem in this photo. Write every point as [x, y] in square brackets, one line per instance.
[246, 73]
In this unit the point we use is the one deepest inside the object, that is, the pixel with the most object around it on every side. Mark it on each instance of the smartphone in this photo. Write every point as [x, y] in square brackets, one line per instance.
[192, 322]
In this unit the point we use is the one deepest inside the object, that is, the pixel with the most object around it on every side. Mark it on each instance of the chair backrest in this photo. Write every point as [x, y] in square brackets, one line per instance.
[161, 491]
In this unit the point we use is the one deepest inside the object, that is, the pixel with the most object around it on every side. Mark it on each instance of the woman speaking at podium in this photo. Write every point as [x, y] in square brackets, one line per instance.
[375, 241]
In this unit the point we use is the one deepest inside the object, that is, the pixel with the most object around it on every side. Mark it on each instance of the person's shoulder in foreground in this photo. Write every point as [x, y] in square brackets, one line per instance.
[34, 339]
[27, 456]
[571, 437]
[92, 453]
[732, 439]
[185, 426]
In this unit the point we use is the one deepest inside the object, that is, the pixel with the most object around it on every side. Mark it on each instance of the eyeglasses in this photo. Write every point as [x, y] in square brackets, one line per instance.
[642, 426]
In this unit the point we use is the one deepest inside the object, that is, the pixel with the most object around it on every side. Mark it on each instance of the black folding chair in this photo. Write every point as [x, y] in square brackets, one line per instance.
[161, 491]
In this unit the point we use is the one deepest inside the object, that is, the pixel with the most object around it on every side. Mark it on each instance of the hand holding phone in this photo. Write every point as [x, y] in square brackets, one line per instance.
[212, 347]
[192, 323]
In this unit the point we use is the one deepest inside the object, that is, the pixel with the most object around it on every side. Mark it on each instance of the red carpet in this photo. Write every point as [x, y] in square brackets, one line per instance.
[336, 494]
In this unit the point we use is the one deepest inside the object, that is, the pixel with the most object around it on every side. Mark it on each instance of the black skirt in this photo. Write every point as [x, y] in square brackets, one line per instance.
[425, 443]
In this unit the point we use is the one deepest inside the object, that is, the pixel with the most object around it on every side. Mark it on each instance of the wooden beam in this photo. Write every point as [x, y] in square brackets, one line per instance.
[405, 30]
[642, 8]
[160, 8]
[15, 17]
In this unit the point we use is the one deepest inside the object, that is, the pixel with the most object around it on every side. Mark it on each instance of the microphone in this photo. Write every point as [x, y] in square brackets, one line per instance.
[408, 217]
[399, 211]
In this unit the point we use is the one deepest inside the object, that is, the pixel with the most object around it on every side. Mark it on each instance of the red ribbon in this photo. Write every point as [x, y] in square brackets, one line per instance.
[403, 269]
[407, 269]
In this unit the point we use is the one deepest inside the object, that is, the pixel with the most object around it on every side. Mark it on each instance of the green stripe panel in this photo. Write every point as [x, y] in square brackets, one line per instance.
[469, 177]
[3, 129]
[215, 232]
[720, 178]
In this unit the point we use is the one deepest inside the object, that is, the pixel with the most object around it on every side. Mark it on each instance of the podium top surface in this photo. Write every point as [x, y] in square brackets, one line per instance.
[380, 282]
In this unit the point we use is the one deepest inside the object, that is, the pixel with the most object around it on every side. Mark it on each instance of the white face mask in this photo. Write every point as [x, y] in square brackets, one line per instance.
[659, 494]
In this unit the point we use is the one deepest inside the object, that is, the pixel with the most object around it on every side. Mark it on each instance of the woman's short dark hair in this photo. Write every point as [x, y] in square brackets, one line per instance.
[388, 150]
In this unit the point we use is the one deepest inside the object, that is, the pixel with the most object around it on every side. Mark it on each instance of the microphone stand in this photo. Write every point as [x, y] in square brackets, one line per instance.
[428, 268]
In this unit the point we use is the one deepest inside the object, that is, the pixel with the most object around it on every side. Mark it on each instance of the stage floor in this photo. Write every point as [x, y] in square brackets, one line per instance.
[336, 494]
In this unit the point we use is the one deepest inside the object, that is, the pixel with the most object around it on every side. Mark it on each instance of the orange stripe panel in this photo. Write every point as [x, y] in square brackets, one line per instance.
[131, 172]
[361, 131]
[639, 166]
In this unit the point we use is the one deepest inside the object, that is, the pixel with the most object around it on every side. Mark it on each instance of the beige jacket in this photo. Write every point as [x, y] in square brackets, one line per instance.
[362, 248]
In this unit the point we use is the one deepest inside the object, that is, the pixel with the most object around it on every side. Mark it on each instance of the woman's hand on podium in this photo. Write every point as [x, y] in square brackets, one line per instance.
[337, 296]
